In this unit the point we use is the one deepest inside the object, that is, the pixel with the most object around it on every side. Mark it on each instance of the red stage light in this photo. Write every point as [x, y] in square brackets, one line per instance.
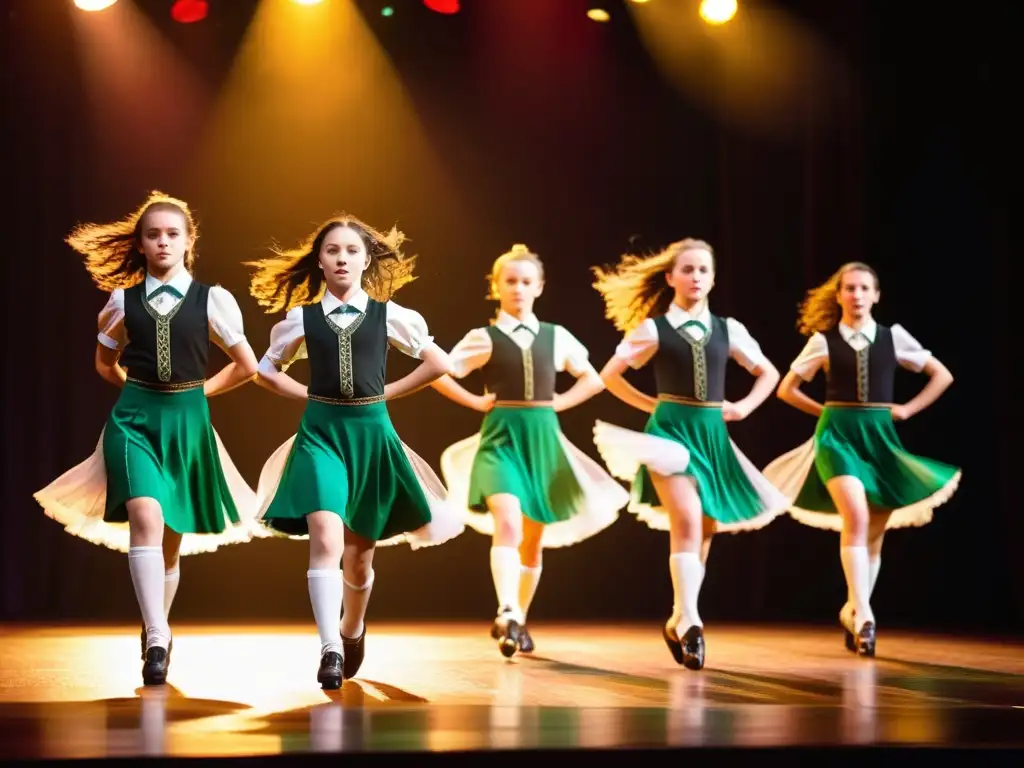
[442, 6]
[189, 11]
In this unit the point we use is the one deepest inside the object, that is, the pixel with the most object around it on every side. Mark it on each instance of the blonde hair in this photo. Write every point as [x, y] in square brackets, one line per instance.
[636, 287]
[820, 310]
[291, 278]
[517, 252]
[111, 251]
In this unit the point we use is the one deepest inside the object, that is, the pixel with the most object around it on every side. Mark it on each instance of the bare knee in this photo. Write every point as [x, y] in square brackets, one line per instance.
[326, 539]
[358, 559]
[678, 495]
[508, 519]
[145, 522]
[851, 501]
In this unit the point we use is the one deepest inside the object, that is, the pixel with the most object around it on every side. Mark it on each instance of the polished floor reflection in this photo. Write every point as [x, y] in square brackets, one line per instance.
[76, 692]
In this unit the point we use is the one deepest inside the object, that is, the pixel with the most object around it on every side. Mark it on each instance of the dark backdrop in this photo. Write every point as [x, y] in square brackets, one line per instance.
[582, 150]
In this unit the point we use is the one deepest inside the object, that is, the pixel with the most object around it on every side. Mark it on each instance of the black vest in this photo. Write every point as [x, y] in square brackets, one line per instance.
[514, 373]
[866, 376]
[171, 349]
[692, 369]
[346, 363]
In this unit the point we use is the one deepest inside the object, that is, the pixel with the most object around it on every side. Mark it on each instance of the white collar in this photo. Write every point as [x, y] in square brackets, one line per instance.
[180, 282]
[330, 302]
[506, 323]
[869, 330]
[676, 316]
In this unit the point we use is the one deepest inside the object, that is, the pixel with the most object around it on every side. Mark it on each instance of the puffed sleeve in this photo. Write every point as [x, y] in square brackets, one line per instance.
[111, 321]
[472, 352]
[909, 352]
[743, 348]
[407, 330]
[570, 354]
[639, 345]
[287, 343]
[225, 318]
[810, 360]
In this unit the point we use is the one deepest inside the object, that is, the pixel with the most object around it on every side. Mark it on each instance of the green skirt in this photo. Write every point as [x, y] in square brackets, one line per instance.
[520, 453]
[346, 459]
[161, 445]
[690, 440]
[862, 442]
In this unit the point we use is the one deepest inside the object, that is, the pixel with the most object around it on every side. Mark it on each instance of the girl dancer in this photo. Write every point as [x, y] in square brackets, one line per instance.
[160, 484]
[345, 480]
[854, 476]
[688, 476]
[521, 481]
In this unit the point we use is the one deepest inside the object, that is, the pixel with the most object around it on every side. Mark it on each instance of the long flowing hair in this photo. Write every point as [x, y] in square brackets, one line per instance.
[636, 289]
[293, 277]
[820, 310]
[112, 251]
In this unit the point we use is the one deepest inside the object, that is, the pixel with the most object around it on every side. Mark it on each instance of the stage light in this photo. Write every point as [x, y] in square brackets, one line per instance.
[189, 11]
[94, 5]
[387, 10]
[639, 2]
[717, 11]
[307, 2]
[442, 6]
[598, 14]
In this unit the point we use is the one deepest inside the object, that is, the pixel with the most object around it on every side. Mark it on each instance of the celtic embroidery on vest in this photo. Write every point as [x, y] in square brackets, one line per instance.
[345, 374]
[700, 361]
[163, 338]
[528, 373]
[863, 393]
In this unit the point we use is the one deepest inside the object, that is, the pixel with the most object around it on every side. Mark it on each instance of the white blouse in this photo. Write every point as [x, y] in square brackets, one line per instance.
[909, 352]
[640, 344]
[474, 350]
[406, 328]
[222, 312]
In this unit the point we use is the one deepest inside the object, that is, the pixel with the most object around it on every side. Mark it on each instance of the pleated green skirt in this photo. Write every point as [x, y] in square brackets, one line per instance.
[726, 493]
[862, 442]
[520, 453]
[348, 459]
[161, 445]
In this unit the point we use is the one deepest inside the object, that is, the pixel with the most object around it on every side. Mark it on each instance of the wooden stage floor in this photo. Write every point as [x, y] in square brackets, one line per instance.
[75, 692]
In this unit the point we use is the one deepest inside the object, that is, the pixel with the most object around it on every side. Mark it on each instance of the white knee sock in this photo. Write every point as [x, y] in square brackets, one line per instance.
[687, 576]
[857, 568]
[171, 579]
[529, 578]
[147, 568]
[356, 599]
[505, 570]
[325, 597]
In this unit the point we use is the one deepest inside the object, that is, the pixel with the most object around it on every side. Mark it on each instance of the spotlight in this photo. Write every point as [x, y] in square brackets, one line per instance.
[307, 2]
[189, 11]
[598, 14]
[387, 10]
[717, 11]
[94, 5]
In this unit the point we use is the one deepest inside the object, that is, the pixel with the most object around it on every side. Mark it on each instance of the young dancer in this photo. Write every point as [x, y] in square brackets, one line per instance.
[520, 480]
[160, 484]
[345, 480]
[854, 475]
[688, 477]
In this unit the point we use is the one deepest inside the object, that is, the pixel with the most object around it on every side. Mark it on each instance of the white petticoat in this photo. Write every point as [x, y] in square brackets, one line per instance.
[445, 523]
[77, 500]
[625, 450]
[603, 497]
[790, 470]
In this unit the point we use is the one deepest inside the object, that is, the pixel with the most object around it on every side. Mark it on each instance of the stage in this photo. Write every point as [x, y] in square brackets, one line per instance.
[234, 691]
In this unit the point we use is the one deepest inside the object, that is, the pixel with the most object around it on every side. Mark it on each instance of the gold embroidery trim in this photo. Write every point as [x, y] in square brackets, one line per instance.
[163, 337]
[350, 401]
[177, 386]
[523, 403]
[700, 363]
[528, 373]
[862, 374]
[843, 404]
[681, 400]
[345, 353]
